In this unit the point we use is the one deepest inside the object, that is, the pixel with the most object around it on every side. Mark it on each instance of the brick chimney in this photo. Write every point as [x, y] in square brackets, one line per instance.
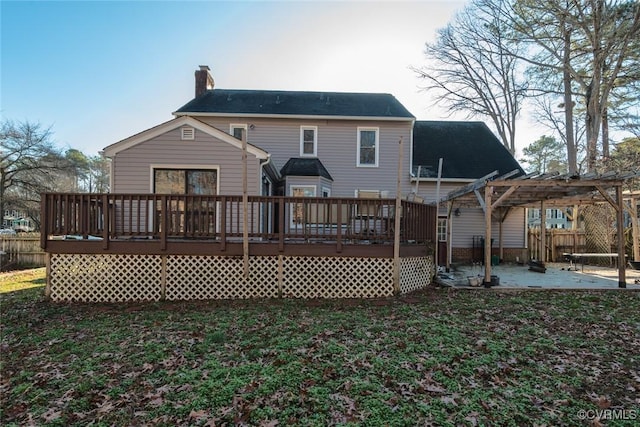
[204, 81]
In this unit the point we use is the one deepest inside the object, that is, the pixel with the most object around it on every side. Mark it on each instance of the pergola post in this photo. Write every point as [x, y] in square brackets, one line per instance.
[487, 235]
[622, 281]
[543, 233]
[633, 211]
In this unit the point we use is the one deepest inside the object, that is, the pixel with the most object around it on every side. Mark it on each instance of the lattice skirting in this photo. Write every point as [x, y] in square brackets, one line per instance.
[416, 273]
[337, 277]
[215, 277]
[105, 278]
[114, 278]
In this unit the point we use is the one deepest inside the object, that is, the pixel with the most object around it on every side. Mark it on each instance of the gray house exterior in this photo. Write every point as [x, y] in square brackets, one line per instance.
[352, 138]
[469, 150]
[321, 144]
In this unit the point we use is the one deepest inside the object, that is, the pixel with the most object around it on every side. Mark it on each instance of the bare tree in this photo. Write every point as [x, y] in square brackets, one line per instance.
[472, 69]
[29, 164]
[599, 34]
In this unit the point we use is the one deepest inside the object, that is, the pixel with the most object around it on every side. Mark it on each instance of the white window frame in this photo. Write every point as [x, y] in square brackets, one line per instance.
[443, 225]
[242, 126]
[326, 190]
[315, 141]
[377, 147]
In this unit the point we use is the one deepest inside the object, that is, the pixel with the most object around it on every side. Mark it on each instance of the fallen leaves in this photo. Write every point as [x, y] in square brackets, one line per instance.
[448, 358]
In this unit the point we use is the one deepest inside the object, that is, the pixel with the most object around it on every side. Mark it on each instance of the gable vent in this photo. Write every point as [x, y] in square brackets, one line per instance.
[188, 134]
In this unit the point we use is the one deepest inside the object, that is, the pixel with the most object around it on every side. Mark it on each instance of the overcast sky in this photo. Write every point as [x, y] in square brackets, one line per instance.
[98, 72]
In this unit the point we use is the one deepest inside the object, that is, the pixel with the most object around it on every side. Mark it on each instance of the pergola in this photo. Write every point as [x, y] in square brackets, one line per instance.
[496, 195]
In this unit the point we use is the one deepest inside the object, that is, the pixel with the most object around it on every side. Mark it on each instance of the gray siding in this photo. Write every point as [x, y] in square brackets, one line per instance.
[471, 223]
[132, 167]
[337, 146]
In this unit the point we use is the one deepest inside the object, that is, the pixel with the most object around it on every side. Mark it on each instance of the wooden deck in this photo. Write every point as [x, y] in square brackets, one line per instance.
[149, 247]
[213, 225]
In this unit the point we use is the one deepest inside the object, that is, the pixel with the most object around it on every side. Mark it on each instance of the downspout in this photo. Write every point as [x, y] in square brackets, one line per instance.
[262, 173]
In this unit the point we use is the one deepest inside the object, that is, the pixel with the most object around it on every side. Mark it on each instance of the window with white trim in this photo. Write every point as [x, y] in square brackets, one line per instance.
[442, 229]
[368, 140]
[308, 140]
[238, 130]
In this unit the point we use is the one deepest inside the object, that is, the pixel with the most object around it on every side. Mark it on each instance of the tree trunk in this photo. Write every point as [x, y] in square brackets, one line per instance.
[572, 157]
[605, 134]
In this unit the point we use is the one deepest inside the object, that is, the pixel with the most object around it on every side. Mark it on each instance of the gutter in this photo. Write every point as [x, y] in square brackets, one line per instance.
[295, 116]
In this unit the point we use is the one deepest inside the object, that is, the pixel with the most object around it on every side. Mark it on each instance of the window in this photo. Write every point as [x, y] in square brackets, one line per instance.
[189, 181]
[442, 229]
[188, 133]
[197, 215]
[297, 209]
[367, 147]
[308, 140]
[238, 130]
[326, 192]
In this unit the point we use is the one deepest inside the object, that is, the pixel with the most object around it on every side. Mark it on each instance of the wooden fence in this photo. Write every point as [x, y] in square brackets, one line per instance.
[21, 249]
[557, 242]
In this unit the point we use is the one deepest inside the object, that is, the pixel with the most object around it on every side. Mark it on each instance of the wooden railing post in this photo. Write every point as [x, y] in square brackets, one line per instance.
[164, 212]
[281, 208]
[44, 220]
[339, 229]
[105, 221]
[223, 223]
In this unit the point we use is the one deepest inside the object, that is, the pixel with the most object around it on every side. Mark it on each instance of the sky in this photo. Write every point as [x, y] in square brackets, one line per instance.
[98, 72]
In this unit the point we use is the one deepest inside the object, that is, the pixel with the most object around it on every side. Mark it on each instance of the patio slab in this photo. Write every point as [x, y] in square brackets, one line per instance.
[557, 276]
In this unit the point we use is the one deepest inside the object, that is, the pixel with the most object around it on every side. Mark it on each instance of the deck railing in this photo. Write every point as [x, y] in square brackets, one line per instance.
[110, 217]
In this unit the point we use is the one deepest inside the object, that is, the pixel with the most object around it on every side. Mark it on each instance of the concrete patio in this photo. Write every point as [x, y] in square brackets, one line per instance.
[557, 276]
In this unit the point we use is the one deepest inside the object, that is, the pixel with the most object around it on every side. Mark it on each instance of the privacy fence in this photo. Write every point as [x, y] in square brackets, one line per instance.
[21, 250]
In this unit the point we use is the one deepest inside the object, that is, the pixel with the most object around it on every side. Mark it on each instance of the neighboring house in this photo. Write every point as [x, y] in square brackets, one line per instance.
[17, 220]
[469, 150]
[555, 218]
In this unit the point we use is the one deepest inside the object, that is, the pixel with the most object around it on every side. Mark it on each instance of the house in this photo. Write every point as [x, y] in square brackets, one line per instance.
[300, 143]
[469, 151]
[265, 193]
[17, 220]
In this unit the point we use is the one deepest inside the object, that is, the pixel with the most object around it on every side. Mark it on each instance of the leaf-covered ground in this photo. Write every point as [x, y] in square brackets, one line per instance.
[438, 357]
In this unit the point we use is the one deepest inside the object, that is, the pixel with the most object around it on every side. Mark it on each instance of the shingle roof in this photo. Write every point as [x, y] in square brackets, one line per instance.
[296, 166]
[270, 102]
[469, 150]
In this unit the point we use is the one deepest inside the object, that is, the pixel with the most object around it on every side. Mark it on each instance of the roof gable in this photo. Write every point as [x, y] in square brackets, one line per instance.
[296, 103]
[176, 123]
[469, 150]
